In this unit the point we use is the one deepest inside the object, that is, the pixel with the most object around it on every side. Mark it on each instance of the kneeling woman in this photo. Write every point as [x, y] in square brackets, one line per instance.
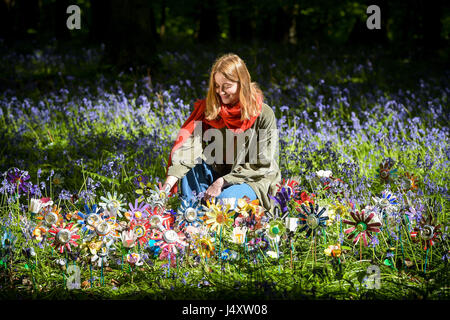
[245, 160]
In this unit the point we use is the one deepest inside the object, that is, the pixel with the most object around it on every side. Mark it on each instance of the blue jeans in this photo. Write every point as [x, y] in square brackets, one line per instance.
[200, 177]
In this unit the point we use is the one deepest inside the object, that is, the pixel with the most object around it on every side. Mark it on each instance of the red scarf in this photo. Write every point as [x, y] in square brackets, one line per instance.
[229, 117]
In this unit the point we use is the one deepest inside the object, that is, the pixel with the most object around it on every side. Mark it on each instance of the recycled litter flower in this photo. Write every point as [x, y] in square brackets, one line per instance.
[385, 171]
[217, 215]
[102, 254]
[275, 229]
[106, 229]
[39, 233]
[141, 229]
[90, 220]
[134, 259]
[189, 214]
[282, 198]
[158, 197]
[311, 218]
[408, 182]
[362, 226]
[128, 238]
[64, 237]
[113, 204]
[204, 246]
[37, 204]
[289, 184]
[50, 216]
[303, 197]
[138, 211]
[250, 214]
[387, 202]
[333, 250]
[169, 239]
[426, 231]
[159, 219]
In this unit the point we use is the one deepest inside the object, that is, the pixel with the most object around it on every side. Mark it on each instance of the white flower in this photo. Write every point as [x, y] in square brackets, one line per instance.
[239, 235]
[292, 223]
[272, 254]
[324, 173]
[128, 238]
[35, 205]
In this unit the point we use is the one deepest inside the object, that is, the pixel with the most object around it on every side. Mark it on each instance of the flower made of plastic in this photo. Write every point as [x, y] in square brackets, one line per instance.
[311, 218]
[49, 216]
[64, 237]
[141, 230]
[190, 214]
[282, 198]
[90, 219]
[426, 232]
[169, 239]
[217, 215]
[385, 171]
[113, 204]
[362, 226]
[138, 211]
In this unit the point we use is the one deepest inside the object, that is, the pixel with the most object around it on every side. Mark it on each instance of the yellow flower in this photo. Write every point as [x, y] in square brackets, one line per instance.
[204, 246]
[333, 250]
[337, 208]
[218, 215]
[244, 207]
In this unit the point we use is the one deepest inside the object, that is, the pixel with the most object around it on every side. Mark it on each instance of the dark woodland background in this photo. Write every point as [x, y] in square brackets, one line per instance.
[133, 30]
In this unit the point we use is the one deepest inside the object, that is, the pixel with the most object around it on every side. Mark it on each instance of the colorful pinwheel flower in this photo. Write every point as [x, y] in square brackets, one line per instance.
[311, 218]
[289, 184]
[426, 231]
[102, 254]
[169, 239]
[50, 216]
[204, 246]
[134, 259]
[250, 214]
[159, 218]
[408, 182]
[138, 211]
[387, 203]
[64, 236]
[218, 216]
[362, 226]
[385, 171]
[113, 204]
[141, 229]
[333, 250]
[303, 197]
[189, 214]
[106, 229]
[90, 219]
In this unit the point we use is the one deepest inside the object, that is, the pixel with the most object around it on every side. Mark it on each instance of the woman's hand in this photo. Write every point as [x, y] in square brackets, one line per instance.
[170, 182]
[215, 189]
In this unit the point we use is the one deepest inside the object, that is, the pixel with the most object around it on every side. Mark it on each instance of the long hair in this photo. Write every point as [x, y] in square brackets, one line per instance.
[234, 69]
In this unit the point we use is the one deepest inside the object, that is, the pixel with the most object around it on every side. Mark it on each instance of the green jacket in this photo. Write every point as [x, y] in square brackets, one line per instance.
[257, 165]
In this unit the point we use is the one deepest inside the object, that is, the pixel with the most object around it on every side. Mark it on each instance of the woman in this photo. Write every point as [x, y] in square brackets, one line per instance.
[245, 160]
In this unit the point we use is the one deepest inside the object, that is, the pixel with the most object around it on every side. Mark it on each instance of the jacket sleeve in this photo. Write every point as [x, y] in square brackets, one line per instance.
[186, 156]
[266, 162]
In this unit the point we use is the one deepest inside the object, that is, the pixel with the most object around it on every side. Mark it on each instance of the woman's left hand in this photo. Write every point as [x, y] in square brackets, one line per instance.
[215, 189]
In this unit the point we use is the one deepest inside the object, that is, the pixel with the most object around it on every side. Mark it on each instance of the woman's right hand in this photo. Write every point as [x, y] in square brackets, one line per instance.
[170, 182]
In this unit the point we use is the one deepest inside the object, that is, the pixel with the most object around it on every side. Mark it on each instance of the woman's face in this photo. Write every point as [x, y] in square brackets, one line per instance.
[227, 90]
